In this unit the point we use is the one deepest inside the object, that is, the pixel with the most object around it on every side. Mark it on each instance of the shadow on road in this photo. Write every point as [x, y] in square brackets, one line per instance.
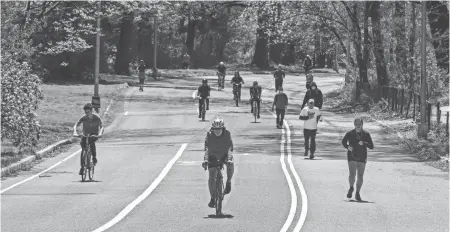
[87, 181]
[213, 216]
[47, 194]
[362, 201]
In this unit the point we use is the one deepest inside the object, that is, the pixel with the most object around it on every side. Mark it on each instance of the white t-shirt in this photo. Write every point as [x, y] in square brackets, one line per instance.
[310, 124]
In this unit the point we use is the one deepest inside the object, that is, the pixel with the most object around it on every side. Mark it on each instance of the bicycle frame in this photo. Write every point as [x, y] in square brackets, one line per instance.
[86, 157]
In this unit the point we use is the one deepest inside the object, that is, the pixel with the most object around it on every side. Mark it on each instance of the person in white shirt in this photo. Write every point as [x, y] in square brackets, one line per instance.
[311, 115]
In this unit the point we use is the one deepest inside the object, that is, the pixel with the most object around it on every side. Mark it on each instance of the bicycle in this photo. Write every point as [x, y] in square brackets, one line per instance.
[203, 107]
[86, 157]
[236, 94]
[220, 81]
[219, 188]
[255, 108]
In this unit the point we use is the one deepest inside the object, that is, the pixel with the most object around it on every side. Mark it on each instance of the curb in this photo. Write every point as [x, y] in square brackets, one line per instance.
[31, 158]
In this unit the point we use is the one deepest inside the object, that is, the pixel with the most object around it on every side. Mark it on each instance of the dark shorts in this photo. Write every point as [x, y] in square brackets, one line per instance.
[357, 158]
[213, 163]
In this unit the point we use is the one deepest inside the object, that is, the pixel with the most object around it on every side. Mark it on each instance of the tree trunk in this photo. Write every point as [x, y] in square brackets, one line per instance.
[123, 58]
[378, 48]
[400, 37]
[438, 20]
[358, 47]
[260, 57]
[289, 54]
[412, 42]
[366, 43]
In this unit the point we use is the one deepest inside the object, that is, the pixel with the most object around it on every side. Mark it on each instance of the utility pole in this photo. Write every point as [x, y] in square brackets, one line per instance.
[96, 97]
[423, 127]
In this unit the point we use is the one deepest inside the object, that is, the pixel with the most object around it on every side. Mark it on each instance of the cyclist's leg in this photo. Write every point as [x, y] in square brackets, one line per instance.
[82, 143]
[212, 184]
[200, 107]
[207, 103]
[258, 102]
[230, 172]
[283, 111]
[93, 149]
[251, 104]
[360, 168]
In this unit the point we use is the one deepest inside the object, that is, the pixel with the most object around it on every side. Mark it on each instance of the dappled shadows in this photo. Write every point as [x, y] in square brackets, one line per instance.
[124, 135]
[220, 216]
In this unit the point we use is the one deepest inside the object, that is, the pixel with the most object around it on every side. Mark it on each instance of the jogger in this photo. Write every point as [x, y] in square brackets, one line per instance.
[311, 115]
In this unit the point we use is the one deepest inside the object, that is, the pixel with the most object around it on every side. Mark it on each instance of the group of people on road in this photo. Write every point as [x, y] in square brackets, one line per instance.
[218, 144]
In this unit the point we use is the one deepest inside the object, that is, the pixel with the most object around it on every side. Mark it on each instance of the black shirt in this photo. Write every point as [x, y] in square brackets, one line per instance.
[359, 152]
[203, 91]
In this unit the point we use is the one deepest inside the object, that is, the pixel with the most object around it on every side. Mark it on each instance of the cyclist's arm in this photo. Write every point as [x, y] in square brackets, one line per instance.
[205, 157]
[77, 125]
[284, 74]
[274, 101]
[100, 127]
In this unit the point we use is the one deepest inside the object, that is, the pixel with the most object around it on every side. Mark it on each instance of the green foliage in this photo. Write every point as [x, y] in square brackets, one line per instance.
[20, 98]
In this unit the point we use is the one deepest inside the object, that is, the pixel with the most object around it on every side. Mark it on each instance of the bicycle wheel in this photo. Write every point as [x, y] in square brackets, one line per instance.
[203, 110]
[219, 195]
[255, 109]
[84, 173]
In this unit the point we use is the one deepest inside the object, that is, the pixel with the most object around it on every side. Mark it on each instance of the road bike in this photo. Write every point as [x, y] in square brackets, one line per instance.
[86, 159]
[219, 189]
[220, 81]
[202, 107]
[255, 108]
[236, 93]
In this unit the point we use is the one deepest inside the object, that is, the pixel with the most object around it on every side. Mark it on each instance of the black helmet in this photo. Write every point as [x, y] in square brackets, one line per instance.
[205, 81]
[255, 83]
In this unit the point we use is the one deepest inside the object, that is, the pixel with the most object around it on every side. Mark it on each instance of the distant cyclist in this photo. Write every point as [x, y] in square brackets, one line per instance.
[236, 80]
[218, 146]
[203, 92]
[356, 142]
[279, 76]
[255, 95]
[141, 69]
[92, 125]
[186, 61]
[221, 70]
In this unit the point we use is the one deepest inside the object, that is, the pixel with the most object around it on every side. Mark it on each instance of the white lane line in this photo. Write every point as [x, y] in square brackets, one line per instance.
[126, 113]
[304, 211]
[36, 175]
[145, 194]
[293, 208]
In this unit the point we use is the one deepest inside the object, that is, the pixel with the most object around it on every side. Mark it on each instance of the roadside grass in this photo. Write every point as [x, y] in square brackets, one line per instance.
[434, 150]
[58, 112]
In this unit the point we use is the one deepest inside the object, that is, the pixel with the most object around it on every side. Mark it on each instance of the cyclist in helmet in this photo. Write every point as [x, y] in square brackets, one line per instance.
[221, 69]
[92, 125]
[279, 76]
[218, 146]
[237, 79]
[255, 95]
[203, 92]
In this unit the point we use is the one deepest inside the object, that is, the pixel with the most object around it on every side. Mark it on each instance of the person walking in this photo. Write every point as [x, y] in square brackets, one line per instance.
[141, 69]
[356, 142]
[313, 93]
[280, 102]
[279, 75]
[311, 116]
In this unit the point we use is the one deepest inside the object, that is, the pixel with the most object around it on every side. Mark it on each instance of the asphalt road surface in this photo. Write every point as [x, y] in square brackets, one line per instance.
[149, 175]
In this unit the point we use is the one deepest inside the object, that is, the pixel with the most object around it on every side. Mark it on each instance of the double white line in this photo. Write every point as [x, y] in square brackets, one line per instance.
[286, 139]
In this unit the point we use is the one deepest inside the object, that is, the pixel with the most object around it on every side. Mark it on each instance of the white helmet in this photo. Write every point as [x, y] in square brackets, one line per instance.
[221, 63]
[218, 123]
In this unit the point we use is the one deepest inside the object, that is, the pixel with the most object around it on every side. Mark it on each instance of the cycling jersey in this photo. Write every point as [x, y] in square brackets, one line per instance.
[203, 91]
[237, 79]
[279, 74]
[218, 146]
[90, 126]
[221, 68]
[255, 92]
[307, 62]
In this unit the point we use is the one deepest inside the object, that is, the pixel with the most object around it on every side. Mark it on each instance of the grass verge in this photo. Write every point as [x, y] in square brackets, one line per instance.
[59, 111]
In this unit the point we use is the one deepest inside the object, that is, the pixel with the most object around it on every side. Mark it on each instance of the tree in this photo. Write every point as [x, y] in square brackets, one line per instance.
[380, 61]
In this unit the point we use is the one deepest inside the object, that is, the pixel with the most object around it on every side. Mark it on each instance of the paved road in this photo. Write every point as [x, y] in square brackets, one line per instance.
[149, 176]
